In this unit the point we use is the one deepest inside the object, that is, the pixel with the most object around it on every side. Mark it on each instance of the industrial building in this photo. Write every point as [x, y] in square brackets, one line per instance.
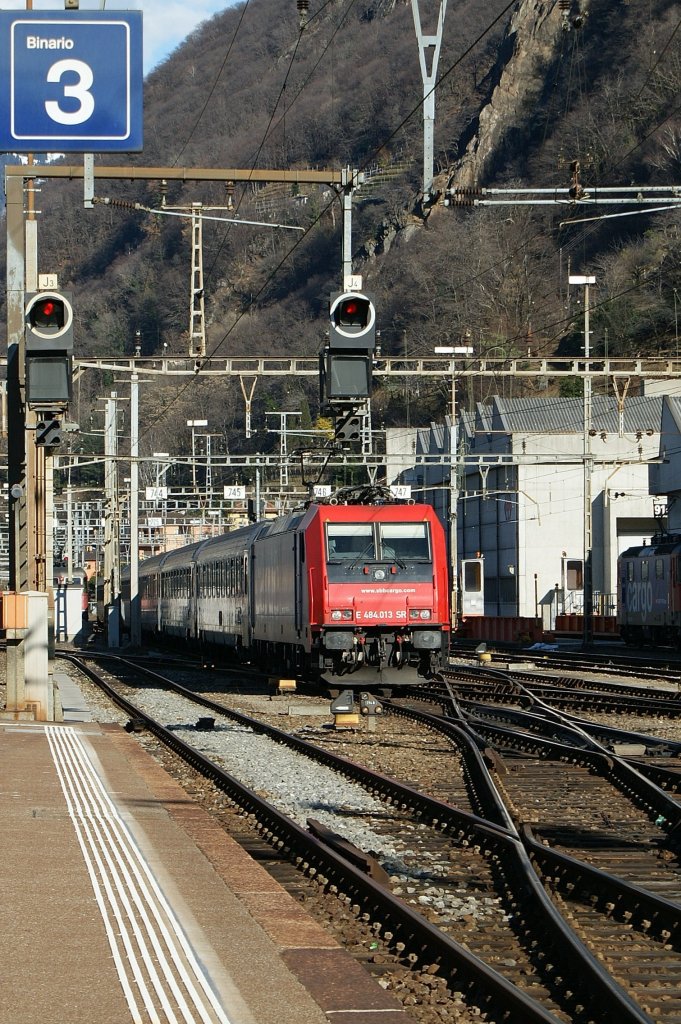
[511, 482]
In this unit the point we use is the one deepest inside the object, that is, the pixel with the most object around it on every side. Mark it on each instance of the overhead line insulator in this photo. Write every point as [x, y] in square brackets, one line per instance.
[464, 195]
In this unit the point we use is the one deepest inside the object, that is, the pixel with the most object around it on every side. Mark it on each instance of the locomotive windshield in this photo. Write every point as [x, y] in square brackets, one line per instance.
[391, 542]
[405, 542]
[349, 541]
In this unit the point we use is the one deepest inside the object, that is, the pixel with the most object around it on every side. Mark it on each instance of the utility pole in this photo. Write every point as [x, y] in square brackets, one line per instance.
[283, 444]
[197, 305]
[449, 350]
[349, 180]
[429, 77]
[588, 614]
[193, 424]
[248, 402]
[135, 609]
[111, 524]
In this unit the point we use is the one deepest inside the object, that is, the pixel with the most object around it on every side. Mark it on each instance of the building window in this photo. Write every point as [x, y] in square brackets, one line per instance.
[574, 577]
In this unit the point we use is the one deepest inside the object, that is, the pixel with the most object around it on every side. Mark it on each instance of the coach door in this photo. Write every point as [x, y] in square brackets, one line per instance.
[249, 594]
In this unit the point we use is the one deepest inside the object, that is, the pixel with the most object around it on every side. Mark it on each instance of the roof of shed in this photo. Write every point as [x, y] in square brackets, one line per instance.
[566, 415]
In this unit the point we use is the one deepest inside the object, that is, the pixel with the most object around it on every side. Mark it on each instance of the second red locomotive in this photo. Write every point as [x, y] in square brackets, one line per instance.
[356, 594]
[649, 592]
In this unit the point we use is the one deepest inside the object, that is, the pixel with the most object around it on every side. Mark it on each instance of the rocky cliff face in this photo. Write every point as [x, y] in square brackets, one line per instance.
[532, 42]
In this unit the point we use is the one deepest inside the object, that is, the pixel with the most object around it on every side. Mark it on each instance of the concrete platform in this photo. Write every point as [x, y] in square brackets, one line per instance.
[121, 900]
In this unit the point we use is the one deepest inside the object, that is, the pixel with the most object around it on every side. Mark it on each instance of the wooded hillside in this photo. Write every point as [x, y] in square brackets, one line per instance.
[525, 90]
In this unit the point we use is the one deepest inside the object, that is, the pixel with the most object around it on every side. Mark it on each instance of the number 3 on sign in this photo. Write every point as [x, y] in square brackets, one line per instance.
[78, 91]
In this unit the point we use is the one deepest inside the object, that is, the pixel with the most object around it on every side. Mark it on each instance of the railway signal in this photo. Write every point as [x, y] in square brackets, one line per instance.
[48, 432]
[49, 349]
[353, 320]
[346, 363]
[349, 428]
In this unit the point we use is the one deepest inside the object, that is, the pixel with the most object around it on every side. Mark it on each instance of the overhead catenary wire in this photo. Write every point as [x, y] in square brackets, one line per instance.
[417, 108]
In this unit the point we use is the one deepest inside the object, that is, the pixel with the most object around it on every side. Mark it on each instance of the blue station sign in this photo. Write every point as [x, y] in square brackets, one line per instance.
[70, 82]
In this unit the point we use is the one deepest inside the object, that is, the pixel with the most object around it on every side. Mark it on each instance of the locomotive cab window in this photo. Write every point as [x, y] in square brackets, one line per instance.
[404, 542]
[644, 570]
[348, 541]
[659, 569]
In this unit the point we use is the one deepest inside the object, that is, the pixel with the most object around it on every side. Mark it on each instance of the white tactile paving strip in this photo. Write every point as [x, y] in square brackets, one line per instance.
[160, 974]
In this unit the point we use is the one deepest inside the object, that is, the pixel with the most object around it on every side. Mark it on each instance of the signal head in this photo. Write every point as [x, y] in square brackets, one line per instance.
[49, 317]
[353, 317]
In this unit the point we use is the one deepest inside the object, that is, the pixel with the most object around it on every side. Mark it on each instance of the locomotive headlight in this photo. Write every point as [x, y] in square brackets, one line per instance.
[420, 613]
[341, 614]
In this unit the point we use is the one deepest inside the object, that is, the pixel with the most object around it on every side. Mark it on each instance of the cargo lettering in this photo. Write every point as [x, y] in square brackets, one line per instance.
[639, 597]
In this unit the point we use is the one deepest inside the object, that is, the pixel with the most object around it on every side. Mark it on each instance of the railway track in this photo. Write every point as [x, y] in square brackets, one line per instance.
[648, 665]
[569, 693]
[467, 855]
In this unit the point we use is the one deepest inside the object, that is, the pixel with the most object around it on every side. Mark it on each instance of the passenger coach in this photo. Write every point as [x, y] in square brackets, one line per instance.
[354, 593]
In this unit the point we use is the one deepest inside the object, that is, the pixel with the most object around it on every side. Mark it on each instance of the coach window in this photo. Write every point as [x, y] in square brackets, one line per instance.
[645, 570]
[348, 541]
[659, 569]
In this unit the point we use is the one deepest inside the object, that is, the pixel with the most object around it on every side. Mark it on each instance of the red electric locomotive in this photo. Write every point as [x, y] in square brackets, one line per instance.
[355, 594]
[649, 592]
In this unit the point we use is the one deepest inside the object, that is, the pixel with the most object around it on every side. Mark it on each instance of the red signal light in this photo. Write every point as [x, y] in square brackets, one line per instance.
[47, 313]
[353, 313]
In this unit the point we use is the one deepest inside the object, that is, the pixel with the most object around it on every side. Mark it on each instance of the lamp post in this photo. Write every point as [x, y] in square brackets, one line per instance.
[452, 351]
